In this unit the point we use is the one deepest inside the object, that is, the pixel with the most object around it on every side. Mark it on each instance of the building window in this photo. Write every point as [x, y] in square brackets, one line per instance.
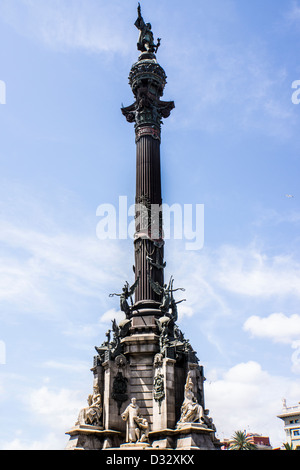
[296, 433]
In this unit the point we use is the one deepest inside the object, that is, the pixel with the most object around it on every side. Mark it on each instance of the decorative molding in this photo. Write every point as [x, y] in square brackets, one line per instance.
[147, 130]
[119, 392]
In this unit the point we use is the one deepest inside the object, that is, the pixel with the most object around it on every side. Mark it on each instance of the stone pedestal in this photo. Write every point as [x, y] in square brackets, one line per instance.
[187, 437]
[160, 382]
[194, 436]
[136, 446]
[93, 438]
[163, 439]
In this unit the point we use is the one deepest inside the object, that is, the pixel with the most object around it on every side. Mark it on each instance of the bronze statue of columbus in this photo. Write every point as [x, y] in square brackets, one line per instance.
[146, 40]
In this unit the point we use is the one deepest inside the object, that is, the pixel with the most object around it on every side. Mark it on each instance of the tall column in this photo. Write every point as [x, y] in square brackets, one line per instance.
[149, 244]
[147, 80]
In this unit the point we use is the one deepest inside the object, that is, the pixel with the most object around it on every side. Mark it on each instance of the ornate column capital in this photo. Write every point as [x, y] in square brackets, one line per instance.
[147, 80]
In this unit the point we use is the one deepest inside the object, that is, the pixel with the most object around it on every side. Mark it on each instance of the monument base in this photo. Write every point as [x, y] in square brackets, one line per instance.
[188, 436]
[194, 437]
[86, 437]
[135, 446]
[163, 439]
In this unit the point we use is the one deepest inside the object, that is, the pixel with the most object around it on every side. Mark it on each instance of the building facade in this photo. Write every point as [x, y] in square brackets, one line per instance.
[261, 442]
[291, 417]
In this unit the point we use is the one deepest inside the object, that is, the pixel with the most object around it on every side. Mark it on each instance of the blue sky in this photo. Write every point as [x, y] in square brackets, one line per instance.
[231, 143]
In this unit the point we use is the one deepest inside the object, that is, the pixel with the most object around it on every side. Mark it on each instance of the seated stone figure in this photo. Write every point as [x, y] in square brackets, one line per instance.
[91, 415]
[191, 411]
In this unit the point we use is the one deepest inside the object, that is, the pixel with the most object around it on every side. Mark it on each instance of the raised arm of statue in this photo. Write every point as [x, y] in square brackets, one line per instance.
[140, 24]
[139, 10]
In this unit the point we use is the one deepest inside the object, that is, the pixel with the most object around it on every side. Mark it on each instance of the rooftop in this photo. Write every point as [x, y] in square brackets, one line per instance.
[289, 410]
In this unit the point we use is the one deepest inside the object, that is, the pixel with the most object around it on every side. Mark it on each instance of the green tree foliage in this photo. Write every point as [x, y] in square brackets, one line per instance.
[240, 441]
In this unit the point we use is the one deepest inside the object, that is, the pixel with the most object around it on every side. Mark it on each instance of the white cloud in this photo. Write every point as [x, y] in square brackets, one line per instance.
[50, 441]
[55, 411]
[277, 327]
[248, 398]
[244, 271]
[185, 311]
[111, 315]
[38, 267]
[241, 77]
[296, 357]
[224, 284]
[57, 408]
[194, 272]
[76, 366]
[272, 216]
[2, 354]
[205, 304]
[251, 272]
[95, 26]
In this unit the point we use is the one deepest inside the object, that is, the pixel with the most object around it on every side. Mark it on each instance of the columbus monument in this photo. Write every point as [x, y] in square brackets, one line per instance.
[148, 385]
